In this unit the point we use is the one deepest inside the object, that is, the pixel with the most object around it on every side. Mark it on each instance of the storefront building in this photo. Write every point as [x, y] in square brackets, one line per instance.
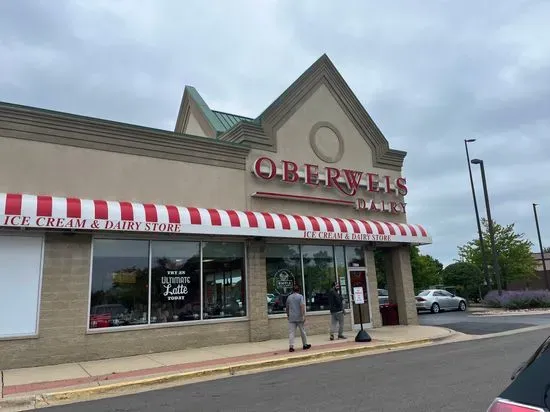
[118, 240]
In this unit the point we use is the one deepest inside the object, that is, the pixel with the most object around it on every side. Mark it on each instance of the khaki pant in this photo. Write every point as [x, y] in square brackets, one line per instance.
[292, 331]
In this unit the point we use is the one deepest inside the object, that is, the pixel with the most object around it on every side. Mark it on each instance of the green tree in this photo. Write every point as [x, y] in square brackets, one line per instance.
[426, 270]
[380, 264]
[513, 251]
[466, 277]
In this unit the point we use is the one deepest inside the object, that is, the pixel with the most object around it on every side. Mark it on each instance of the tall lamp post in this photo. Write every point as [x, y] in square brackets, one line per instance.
[479, 232]
[540, 245]
[496, 266]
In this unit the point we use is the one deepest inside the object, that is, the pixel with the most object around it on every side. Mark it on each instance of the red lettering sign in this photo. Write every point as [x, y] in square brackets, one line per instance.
[347, 181]
[311, 174]
[258, 168]
[290, 171]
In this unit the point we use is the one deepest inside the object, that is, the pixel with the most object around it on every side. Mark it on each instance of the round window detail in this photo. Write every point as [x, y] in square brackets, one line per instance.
[326, 142]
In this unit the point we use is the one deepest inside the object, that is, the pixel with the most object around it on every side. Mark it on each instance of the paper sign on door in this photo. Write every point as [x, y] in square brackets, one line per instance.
[358, 296]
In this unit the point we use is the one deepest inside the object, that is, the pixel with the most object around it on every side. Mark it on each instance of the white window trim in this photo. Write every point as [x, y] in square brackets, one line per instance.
[113, 329]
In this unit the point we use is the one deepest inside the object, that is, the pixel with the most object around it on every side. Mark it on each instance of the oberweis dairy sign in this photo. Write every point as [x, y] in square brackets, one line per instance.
[358, 186]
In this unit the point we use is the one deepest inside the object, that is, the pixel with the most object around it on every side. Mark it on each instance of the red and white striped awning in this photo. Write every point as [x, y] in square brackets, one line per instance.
[49, 212]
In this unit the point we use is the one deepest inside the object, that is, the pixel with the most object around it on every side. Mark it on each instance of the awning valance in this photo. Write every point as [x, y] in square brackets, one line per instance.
[50, 212]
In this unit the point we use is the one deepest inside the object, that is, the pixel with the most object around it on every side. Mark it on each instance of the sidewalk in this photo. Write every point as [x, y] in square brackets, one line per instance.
[75, 380]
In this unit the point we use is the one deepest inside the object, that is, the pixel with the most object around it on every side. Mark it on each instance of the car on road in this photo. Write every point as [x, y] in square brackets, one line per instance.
[383, 296]
[530, 387]
[436, 300]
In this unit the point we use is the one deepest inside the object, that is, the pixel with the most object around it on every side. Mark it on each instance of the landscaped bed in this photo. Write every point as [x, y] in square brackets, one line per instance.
[521, 300]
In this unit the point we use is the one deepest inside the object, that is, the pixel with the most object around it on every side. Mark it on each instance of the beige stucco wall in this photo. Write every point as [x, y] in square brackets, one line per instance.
[293, 144]
[193, 127]
[51, 169]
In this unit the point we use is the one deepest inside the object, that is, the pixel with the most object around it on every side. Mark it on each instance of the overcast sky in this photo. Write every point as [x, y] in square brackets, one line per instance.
[430, 73]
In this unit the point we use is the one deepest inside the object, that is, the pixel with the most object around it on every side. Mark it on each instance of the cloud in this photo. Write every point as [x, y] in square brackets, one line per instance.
[430, 75]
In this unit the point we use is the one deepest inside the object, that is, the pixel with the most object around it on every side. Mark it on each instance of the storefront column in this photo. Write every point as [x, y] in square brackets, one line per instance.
[257, 291]
[400, 283]
[376, 318]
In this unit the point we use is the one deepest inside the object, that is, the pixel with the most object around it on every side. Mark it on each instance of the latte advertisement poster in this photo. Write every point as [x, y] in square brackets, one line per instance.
[175, 283]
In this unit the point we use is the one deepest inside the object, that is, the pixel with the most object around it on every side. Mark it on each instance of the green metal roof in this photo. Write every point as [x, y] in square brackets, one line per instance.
[221, 122]
[229, 120]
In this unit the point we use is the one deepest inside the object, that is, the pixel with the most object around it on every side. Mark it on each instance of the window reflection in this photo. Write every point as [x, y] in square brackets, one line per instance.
[224, 280]
[120, 281]
[175, 281]
[355, 256]
[319, 274]
[284, 269]
[342, 273]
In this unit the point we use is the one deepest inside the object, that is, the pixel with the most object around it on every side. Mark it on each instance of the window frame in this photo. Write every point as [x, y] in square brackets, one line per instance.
[151, 239]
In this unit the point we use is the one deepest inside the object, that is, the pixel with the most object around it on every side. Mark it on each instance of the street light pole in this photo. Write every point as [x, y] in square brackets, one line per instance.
[496, 266]
[540, 245]
[479, 231]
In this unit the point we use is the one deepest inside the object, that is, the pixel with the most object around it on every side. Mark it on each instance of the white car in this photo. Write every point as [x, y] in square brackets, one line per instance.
[436, 300]
[383, 296]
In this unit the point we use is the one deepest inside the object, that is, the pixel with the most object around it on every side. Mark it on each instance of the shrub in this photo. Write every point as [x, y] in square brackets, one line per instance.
[521, 299]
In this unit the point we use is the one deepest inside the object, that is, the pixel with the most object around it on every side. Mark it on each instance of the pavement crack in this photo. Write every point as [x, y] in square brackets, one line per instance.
[1, 384]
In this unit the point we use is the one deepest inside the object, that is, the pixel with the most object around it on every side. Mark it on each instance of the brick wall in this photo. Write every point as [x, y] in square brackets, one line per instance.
[257, 291]
[63, 318]
[64, 307]
[400, 278]
[375, 316]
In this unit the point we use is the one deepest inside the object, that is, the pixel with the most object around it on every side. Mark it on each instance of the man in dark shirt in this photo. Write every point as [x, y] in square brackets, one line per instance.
[336, 311]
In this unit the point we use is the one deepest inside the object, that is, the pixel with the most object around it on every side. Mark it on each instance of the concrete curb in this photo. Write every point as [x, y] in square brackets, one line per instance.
[42, 400]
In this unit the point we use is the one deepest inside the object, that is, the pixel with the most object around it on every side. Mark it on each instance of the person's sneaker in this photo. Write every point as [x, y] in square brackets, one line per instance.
[306, 347]
[291, 349]
[342, 337]
[331, 337]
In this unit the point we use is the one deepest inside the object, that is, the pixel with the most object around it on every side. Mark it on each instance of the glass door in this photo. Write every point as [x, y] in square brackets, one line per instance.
[358, 279]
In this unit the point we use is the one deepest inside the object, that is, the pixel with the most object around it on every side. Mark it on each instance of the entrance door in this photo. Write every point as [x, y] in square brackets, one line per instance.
[358, 278]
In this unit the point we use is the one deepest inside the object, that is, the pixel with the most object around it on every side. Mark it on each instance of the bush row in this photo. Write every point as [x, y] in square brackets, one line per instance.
[521, 299]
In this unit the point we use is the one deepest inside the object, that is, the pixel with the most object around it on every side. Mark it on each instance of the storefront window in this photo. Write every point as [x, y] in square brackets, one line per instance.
[342, 273]
[284, 269]
[175, 282]
[355, 256]
[319, 274]
[120, 281]
[125, 291]
[223, 280]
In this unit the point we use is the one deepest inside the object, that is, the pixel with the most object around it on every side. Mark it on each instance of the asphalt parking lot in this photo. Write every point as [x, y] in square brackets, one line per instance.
[481, 325]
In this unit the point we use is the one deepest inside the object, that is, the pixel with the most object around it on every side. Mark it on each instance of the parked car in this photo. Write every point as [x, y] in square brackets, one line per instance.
[436, 300]
[530, 387]
[383, 297]
[102, 316]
